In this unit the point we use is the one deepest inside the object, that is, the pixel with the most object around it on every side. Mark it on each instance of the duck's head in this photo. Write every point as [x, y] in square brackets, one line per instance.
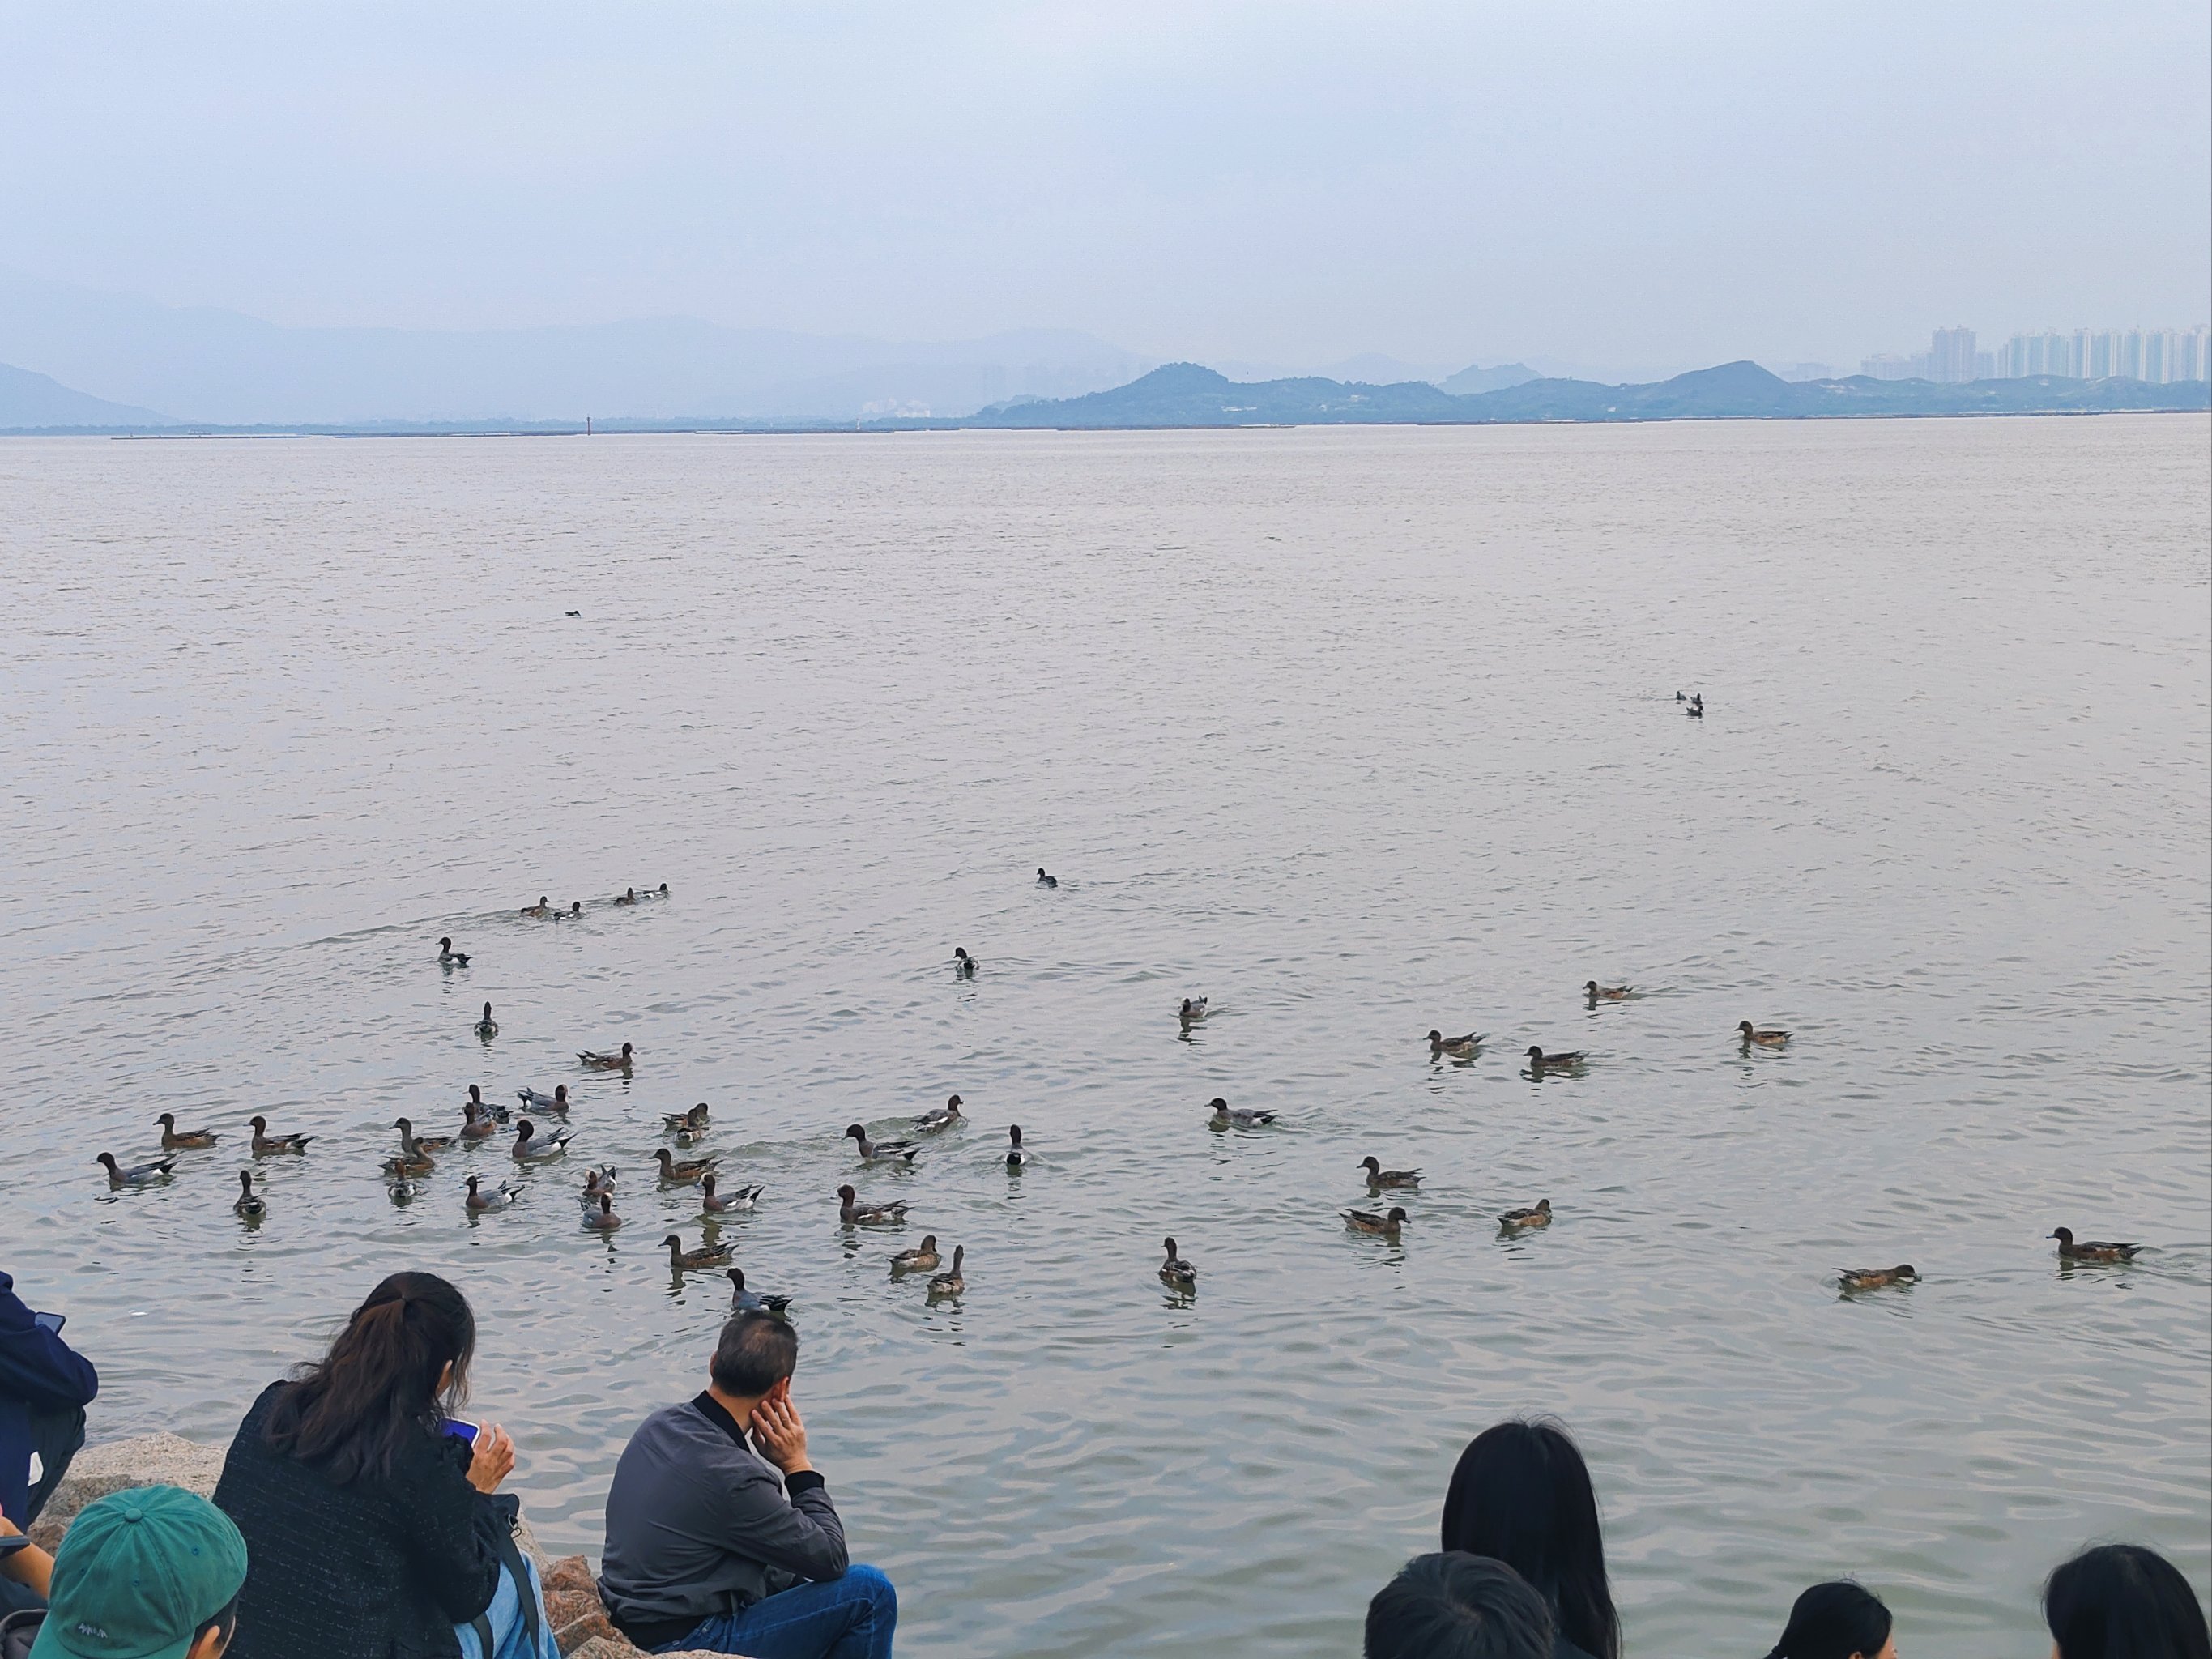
[524, 1128]
[662, 1154]
[475, 1094]
[674, 1241]
[405, 1125]
[707, 1183]
[1436, 1036]
[246, 1179]
[1397, 1214]
[1039, 872]
[846, 1194]
[1217, 1103]
[737, 1278]
[1903, 1270]
[664, 887]
[697, 1114]
[1591, 987]
[167, 1120]
[1543, 1206]
[576, 907]
[630, 894]
[626, 1051]
[2063, 1234]
[854, 1132]
[446, 943]
[472, 1185]
[959, 954]
[560, 1091]
[259, 1125]
[1744, 1026]
[606, 1204]
[1372, 1164]
[1535, 1052]
[486, 1011]
[1171, 1244]
[952, 1103]
[107, 1158]
[1014, 1131]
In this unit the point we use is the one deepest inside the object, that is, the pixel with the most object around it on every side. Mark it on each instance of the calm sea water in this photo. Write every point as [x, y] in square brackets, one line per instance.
[1356, 733]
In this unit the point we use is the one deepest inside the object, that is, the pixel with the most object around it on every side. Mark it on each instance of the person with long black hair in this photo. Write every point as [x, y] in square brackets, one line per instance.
[1521, 1494]
[1838, 1620]
[2123, 1601]
[373, 1520]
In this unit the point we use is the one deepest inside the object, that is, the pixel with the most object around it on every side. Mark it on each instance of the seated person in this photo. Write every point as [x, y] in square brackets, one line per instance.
[44, 1386]
[1457, 1605]
[721, 1535]
[1836, 1620]
[2123, 1601]
[153, 1572]
[375, 1529]
[1521, 1494]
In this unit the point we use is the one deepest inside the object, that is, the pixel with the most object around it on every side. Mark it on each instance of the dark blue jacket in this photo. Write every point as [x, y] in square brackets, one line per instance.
[40, 1373]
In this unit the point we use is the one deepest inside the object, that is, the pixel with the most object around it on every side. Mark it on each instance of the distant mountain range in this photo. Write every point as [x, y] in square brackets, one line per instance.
[221, 367]
[215, 370]
[1188, 395]
[40, 401]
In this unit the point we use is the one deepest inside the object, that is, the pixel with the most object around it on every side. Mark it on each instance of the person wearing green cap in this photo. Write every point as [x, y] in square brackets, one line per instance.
[152, 1572]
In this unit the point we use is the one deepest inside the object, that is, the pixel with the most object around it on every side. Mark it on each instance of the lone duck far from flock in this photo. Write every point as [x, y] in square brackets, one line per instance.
[2093, 1249]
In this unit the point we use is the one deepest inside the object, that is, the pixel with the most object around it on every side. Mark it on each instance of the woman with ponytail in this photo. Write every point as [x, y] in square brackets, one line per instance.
[373, 1521]
[1521, 1494]
[1840, 1621]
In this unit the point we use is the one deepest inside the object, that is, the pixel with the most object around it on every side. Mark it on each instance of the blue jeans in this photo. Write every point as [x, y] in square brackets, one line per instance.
[510, 1631]
[848, 1618]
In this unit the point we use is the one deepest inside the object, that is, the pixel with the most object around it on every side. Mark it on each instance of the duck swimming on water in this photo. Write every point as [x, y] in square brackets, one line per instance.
[853, 1213]
[1043, 880]
[607, 1060]
[266, 1144]
[528, 1148]
[1176, 1274]
[487, 1027]
[1377, 1176]
[923, 1258]
[952, 1282]
[880, 1151]
[1459, 1046]
[740, 1201]
[1764, 1036]
[449, 957]
[602, 1219]
[173, 1139]
[249, 1204]
[1016, 1158]
[1874, 1278]
[1540, 1215]
[1597, 993]
[2091, 1249]
[744, 1301]
[683, 1172]
[938, 1119]
[1367, 1221]
[1227, 1116]
[962, 963]
[707, 1255]
[136, 1174]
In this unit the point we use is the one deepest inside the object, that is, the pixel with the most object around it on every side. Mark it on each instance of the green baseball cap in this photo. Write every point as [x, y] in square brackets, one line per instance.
[137, 1574]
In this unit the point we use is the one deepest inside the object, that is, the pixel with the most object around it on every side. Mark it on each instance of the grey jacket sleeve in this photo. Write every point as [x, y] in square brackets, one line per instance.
[802, 1536]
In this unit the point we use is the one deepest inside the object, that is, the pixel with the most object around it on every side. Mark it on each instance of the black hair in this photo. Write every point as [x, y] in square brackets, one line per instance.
[755, 1351]
[379, 1383]
[1834, 1621]
[224, 1618]
[2123, 1601]
[1457, 1605]
[1521, 1493]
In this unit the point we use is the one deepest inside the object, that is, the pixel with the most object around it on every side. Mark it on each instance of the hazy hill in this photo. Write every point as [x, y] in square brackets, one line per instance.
[32, 401]
[1185, 394]
[220, 367]
[1475, 378]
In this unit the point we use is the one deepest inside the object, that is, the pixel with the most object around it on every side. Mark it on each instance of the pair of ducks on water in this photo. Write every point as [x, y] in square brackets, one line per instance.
[935, 1121]
[2100, 1251]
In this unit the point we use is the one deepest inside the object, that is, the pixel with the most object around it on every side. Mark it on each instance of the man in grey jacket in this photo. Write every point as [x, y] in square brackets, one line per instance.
[721, 1535]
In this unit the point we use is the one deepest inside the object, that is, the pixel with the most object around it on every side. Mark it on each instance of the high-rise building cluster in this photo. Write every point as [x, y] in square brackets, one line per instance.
[2159, 356]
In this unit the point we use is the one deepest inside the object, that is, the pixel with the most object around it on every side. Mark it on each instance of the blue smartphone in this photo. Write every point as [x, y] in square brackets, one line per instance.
[461, 1430]
[50, 1322]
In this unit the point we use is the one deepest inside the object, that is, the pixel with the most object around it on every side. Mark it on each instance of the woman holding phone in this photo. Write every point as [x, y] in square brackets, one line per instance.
[373, 1518]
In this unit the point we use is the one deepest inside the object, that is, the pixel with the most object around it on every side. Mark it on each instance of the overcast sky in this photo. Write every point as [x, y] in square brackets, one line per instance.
[1653, 183]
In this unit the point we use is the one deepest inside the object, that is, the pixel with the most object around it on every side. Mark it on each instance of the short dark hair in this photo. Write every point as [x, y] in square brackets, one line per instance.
[2123, 1601]
[1833, 1621]
[755, 1351]
[1456, 1606]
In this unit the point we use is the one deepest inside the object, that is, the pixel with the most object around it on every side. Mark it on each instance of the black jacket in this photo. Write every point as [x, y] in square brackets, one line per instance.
[376, 1568]
[40, 1375]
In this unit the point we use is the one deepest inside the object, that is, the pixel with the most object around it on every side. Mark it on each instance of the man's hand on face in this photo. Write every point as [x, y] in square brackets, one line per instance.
[779, 1431]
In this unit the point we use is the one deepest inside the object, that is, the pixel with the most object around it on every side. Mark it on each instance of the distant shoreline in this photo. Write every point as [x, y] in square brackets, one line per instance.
[1187, 397]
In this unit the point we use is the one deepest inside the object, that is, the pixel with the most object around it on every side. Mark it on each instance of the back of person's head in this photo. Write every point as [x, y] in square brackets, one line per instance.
[1839, 1621]
[757, 1351]
[1521, 1494]
[386, 1378]
[152, 1572]
[1457, 1605]
[2123, 1601]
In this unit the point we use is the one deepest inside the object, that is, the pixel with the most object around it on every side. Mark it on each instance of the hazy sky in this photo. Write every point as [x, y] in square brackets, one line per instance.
[1623, 184]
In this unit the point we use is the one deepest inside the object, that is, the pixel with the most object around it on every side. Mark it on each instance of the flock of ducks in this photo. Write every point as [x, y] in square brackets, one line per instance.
[531, 1148]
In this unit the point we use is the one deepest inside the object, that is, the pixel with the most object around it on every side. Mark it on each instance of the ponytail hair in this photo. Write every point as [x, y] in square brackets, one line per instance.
[384, 1379]
[1835, 1621]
